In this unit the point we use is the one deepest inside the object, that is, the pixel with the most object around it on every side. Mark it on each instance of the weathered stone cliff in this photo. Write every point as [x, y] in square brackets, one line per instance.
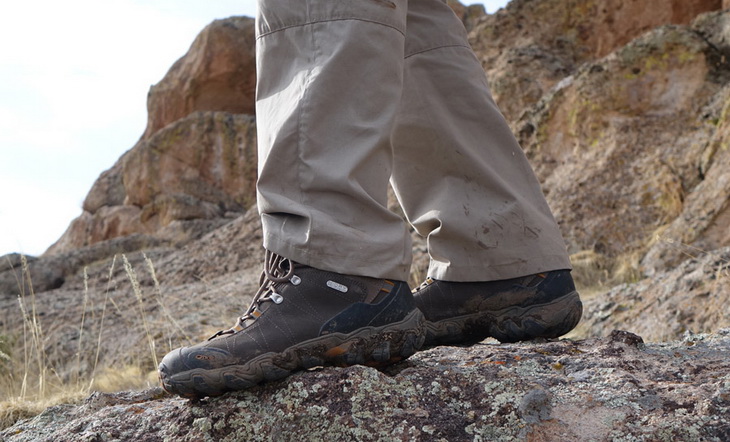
[194, 168]
[529, 46]
[626, 143]
[217, 74]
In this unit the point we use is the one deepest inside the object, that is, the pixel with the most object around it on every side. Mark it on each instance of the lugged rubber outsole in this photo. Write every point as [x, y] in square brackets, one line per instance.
[372, 346]
[513, 324]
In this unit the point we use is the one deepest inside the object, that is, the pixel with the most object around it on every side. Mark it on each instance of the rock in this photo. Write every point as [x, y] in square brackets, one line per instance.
[598, 389]
[217, 74]
[49, 273]
[529, 46]
[202, 158]
[535, 406]
[197, 158]
[617, 145]
[193, 171]
[692, 297]
[20, 276]
[702, 224]
[108, 189]
[190, 165]
[469, 15]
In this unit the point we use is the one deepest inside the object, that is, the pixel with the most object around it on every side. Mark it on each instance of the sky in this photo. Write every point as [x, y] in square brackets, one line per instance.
[74, 77]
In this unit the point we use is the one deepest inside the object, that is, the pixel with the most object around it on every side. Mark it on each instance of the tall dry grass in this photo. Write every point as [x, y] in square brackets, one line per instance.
[30, 382]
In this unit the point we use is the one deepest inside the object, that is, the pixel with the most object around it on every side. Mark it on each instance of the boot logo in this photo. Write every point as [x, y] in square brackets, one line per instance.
[337, 286]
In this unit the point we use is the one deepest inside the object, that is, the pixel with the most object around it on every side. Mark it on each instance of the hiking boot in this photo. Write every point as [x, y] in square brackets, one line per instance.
[545, 305]
[300, 318]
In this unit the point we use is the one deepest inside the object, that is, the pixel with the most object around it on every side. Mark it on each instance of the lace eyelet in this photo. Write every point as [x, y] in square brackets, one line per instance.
[277, 298]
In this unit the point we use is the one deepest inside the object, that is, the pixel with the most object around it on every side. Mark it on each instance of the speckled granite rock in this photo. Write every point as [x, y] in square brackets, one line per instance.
[614, 388]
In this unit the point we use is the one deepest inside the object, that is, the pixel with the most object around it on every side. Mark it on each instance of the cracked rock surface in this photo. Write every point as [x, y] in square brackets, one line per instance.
[613, 388]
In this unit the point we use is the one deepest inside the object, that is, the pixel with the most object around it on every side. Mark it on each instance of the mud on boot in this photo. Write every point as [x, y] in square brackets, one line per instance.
[544, 305]
[300, 318]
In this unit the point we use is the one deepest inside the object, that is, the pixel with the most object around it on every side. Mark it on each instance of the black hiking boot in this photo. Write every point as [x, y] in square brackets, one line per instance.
[545, 305]
[300, 318]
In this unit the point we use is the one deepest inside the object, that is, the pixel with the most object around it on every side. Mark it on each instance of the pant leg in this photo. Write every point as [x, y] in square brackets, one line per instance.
[461, 177]
[329, 82]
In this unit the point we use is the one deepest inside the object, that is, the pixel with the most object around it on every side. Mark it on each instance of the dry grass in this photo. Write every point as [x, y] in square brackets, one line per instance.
[130, 377]
[595, 273]
[29, 381]
[15, 409]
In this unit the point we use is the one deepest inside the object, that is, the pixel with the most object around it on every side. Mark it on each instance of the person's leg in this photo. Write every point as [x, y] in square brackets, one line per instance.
[465, 184]
[329, 82]
[327, 97]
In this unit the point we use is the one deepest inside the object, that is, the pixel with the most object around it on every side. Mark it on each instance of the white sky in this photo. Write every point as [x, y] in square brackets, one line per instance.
[74, 77]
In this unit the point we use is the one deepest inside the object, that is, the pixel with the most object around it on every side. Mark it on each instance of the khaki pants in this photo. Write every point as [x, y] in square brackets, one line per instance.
[354, 93]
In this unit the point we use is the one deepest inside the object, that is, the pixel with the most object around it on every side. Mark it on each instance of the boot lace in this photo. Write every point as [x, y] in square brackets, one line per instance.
[277, 269]
[424, 284]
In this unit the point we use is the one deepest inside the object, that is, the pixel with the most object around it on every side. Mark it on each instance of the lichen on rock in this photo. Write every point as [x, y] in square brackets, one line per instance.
[598, 389]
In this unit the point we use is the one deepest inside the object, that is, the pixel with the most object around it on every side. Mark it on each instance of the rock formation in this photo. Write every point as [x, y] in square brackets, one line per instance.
[614, 388]
[529, 47]
[692, 296]
[195, 166]
[189, 177]
[217, 74]
[645, 139]
[623, 111]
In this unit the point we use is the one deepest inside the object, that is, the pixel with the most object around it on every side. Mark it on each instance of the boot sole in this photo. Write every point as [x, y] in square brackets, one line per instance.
[372, 346]
[513, 324]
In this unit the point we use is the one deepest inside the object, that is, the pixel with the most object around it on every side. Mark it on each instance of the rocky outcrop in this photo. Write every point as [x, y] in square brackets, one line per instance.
[191, 176]
[621, 145]
[615, 388]
[703, 222]
[691, 296]
[530, 46]
[195, 165]
[217, 74]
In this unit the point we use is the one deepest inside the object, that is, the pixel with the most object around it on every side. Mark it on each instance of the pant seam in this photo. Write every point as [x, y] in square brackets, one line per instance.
[302, 121]
[326, 21]
[437, 48]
